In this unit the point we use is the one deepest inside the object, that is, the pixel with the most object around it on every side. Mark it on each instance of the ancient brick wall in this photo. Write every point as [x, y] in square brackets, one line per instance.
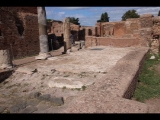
[132, 24]
[56, 28]
[156, 25]
[89, 30]
[146, 20]
[19, 30]
[132, 86]
[112, 41]
[81, 34]
[119, 29]
[98, 29]
[75, 31]
[107, 29]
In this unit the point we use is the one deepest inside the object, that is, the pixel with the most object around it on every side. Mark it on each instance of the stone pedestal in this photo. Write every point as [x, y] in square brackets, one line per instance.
[5, 59]
[43, 56]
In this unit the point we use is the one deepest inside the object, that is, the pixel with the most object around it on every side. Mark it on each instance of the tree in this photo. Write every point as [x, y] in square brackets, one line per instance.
[49, 20]
[130, 14]
[104, 17]
[159, 13]
[74, 20]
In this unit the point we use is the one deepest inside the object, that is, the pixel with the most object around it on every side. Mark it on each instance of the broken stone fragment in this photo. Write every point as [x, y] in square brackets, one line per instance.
[57, 100]
[34, 95]
[152, 57]
[27, 70]
[44, 97]
[5, 59]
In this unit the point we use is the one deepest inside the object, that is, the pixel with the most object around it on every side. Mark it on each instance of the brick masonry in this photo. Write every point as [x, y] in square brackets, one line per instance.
[132, 86]
[19, 31]
[112, 41]
[16, 31]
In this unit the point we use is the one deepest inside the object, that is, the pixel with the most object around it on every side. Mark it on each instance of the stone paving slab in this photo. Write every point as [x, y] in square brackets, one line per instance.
[107, 78]
[105, 96]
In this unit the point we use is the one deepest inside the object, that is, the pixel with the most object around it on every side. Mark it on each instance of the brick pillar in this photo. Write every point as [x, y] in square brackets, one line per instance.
[43, 37]
[5, 59]
[66, 35]
[86, 32]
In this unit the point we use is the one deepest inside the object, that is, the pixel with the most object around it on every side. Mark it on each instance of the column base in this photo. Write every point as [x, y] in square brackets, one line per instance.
[4, 66]
[43, 56]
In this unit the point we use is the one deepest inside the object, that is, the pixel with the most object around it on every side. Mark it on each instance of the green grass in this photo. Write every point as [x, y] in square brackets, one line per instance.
[83, 87]
[149, 80]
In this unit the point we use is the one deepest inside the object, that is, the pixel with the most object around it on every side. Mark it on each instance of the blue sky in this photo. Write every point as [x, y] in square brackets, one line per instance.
[88, 16]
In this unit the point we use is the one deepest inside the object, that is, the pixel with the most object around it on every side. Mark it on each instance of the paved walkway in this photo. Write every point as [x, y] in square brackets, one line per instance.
[30, 93]
[32, 59]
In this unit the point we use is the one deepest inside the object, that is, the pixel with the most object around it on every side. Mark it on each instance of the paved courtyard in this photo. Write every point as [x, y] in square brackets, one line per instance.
[50, 86]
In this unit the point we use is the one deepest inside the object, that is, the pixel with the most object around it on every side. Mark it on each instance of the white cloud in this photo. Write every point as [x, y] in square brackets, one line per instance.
[60, 13]
[49, 12]
[90, 15]
[78, 16]
[148, 10]
[73, 8]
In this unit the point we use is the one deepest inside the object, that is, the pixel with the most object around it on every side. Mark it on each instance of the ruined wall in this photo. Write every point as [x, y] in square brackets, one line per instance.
[85, 31]
[98, 29]
[133, 31]
[107, 29]
[19, 31]
[57, 29]
[79, 31]
[146, 20]
[113, 41]
[75, 31]
[132, 24]
[156, 25]
[119, 29]
[132, 86]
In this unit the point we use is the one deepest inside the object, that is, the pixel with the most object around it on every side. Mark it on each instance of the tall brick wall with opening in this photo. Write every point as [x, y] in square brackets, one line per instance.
[19, 31]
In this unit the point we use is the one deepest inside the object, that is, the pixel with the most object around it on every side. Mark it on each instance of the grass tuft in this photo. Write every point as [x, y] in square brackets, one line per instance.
[149, 80]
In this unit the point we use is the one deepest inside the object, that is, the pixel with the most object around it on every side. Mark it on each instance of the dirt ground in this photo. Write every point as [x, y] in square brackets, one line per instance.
[65, 76]
[154, 103]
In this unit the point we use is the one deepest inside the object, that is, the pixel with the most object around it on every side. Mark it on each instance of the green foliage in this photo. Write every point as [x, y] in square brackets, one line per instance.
[130, 14]
[83, 87]
[74, 20]
[159, 13]
[104, 17]
[149, 80]
[49, 20]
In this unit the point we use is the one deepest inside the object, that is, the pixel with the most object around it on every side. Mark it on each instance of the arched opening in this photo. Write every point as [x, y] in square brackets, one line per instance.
[19, 25]
[89, 32]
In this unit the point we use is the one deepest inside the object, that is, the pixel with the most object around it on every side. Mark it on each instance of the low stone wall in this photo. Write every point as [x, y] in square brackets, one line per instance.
[4, 74]
[131, 88]
[116, 42]
[107, 94]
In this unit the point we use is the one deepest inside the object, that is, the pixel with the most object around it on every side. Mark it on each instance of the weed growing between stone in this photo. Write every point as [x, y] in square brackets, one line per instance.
[149, 80]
